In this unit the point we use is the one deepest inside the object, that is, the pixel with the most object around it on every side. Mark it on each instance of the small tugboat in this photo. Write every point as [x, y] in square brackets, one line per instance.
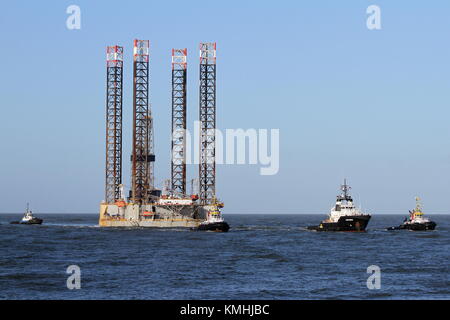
[344, 216]
[214, 221]
[28, 218]
[416, 221]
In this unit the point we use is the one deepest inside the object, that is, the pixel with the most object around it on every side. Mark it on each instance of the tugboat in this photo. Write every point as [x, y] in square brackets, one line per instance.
[28, 218]
[416, 221]
[214, 221]
[344, 216]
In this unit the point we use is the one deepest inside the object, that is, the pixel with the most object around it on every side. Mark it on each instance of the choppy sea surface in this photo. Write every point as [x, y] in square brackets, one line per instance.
[262, 257]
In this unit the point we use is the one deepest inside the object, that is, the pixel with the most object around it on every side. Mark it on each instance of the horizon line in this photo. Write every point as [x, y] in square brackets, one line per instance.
[248, 213]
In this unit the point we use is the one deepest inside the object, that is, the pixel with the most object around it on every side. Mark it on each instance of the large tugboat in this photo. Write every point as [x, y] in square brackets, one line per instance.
[416, 221]
[344, 216]
[28, 218]
[214, 220]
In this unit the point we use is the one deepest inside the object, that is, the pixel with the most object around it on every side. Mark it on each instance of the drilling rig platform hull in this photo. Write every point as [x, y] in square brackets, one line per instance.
[157, 216]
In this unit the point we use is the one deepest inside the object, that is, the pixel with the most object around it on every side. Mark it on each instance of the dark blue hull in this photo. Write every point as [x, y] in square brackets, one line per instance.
[345, 223]
[32, 221]
[416, 226]
[215, 226]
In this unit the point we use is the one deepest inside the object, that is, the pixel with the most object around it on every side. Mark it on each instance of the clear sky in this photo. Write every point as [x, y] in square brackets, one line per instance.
[369, 105]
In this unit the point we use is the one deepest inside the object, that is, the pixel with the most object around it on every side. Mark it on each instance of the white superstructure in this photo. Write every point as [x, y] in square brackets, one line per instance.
[214, 214]
[28, 216]
[344, 206]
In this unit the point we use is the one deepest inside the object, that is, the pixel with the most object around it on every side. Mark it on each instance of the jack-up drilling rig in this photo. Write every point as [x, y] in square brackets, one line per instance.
[146, 206]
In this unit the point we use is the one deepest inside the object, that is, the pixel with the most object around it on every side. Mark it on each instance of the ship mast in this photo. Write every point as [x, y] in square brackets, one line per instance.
[418, 209]
[345, 189]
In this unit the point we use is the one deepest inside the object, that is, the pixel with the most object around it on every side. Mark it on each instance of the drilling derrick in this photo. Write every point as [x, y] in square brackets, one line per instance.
[207, 167]
[114, 76]
[142, 157]
[179, 73]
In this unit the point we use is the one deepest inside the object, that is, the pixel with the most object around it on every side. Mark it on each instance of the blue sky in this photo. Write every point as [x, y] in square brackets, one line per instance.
[372, 106]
